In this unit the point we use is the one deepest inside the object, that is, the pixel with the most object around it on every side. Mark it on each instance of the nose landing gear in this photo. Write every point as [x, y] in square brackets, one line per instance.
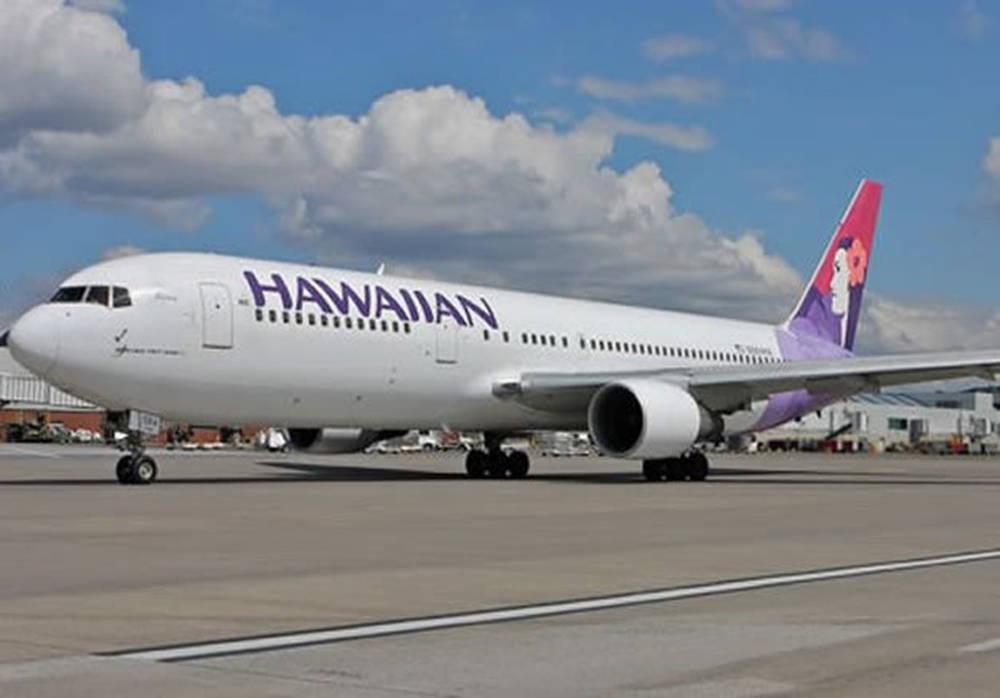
[136, 468]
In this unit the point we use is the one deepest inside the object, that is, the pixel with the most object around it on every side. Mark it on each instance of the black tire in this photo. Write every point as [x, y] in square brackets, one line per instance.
[674, 469]
[144, 470]
[475, 463]
[519, 464]
[498, 465]
[698, 467]
[123, 470]
[652, 470]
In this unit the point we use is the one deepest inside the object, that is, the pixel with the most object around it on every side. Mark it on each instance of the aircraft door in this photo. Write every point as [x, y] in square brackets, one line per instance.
[447, 343]
[216, 316]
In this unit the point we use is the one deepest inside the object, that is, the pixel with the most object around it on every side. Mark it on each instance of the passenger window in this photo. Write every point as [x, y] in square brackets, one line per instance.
[272, 315]
[336, 321]
[395, 326]
[323, 320]
[372, 325]
[534, 339]
[298, 318]
[312, 320]
[486, 335]
[285, 317]
[347, 322]
[524, 338]
[69, 294]
[406, 327]
[259, 314]
[506, 336]
[98, 295]
[566, 343]
[385, 325]
[120, 297]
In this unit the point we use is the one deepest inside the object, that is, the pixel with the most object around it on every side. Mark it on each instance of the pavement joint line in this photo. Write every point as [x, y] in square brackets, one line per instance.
[321, 636]
[985, 646]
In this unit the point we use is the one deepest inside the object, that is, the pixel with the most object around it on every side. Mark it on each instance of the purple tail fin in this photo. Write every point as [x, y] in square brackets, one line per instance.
[830, 306]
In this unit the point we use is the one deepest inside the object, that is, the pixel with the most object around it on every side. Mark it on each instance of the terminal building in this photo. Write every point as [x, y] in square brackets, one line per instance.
[27, 399]
[938, 422]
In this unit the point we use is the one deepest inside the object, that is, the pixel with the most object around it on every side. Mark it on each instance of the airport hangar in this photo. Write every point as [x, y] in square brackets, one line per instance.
[967, 421]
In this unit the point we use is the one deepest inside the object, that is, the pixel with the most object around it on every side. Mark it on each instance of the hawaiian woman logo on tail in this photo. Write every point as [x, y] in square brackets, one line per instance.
[832, 302]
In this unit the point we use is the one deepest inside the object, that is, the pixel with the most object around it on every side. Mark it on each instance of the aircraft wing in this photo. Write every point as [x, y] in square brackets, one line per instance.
[725, 388]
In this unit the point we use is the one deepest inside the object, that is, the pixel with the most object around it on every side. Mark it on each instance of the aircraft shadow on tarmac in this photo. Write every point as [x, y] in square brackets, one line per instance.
[292, 472]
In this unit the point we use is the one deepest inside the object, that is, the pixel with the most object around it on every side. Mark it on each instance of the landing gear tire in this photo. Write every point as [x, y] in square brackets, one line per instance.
[697, 467]
[475, 463]
[123, 470]
[652, 470]
[499, 464]
[518, 464]
[674, 469]
[144, 471]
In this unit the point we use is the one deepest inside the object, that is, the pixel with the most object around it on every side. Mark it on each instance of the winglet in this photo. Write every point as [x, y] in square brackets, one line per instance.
[830, 306]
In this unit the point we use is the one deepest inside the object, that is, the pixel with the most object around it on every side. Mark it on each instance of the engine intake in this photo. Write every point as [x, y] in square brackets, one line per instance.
[337, 440]
[644, 418]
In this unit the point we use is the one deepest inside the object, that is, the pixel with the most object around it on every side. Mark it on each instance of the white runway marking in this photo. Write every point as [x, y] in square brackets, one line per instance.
[987, 646]
[394, 627]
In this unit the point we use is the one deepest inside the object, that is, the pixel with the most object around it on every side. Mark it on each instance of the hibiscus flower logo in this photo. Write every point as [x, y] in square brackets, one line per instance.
[857, 263]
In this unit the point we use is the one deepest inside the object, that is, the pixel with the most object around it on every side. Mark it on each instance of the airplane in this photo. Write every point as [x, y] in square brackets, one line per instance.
[343, 358]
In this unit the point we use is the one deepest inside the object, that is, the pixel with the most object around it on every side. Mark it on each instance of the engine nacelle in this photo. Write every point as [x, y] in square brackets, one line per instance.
[337, 440]
[642, 418]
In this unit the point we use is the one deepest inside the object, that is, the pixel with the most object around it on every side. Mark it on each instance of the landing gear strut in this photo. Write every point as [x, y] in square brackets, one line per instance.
[136, 468]
[691, 466]
[494, 462]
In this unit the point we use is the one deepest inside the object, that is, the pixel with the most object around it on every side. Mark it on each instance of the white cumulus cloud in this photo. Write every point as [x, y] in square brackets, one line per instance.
[428, 177]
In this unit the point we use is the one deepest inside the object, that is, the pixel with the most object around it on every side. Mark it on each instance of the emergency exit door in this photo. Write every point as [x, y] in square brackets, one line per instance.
[216, 316]
[446, 351]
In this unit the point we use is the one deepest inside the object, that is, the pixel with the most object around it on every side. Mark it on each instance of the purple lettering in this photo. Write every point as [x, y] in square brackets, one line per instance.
[485, 312]
[444, 307]
[385, 301]
[258, 289]
[428, 315]
[408, 299]
[346, 297]
[307, 293]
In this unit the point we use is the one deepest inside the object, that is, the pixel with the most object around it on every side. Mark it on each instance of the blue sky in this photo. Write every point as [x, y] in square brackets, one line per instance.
[783, 105]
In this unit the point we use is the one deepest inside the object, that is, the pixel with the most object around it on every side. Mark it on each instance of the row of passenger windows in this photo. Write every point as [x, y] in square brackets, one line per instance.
[641, 349]
[287, 317]
[115, 296]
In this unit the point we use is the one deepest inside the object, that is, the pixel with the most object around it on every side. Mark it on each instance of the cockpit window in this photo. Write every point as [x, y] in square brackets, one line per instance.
[98, 295]
[121, 297]
[69, 294]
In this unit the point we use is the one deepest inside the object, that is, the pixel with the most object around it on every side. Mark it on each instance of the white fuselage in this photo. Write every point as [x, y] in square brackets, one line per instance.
[198, 344]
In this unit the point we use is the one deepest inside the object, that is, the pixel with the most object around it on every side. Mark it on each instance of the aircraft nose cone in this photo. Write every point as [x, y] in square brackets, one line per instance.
[34, 341]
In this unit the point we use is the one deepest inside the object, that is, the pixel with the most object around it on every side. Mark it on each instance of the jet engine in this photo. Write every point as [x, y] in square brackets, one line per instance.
[641, 418]
[337, 440]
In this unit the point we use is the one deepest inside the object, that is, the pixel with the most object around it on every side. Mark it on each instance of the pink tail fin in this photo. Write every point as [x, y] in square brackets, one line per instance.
[830, 306]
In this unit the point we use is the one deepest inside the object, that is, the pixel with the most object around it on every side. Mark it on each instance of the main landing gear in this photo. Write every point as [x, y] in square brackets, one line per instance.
[495, 463]
[691, 466]
[136, 468]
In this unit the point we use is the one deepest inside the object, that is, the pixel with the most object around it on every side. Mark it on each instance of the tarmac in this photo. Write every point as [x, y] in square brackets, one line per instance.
[253, 574]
